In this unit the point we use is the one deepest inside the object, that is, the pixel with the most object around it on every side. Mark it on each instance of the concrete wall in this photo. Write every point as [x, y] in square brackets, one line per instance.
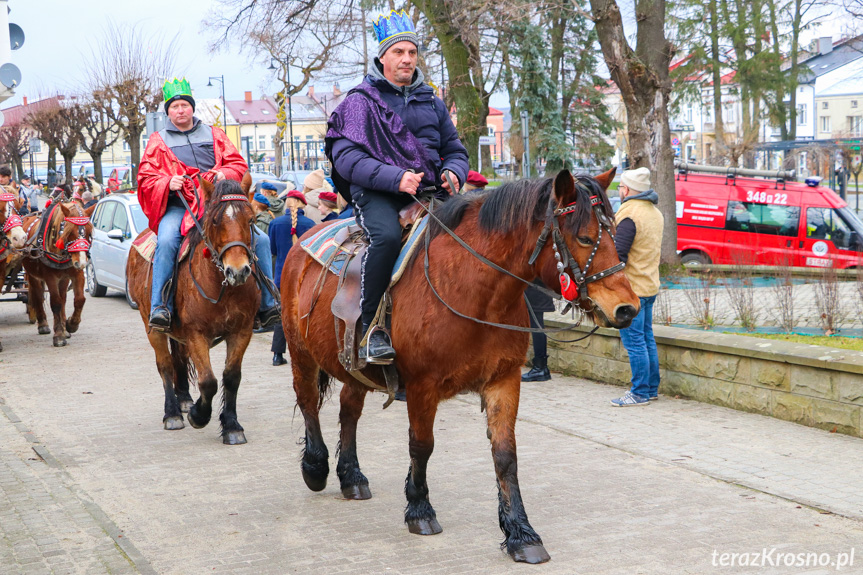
[812, 385]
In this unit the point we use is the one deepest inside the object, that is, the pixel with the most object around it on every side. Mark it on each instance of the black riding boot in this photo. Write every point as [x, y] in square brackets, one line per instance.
[539, 371]
[378, 347]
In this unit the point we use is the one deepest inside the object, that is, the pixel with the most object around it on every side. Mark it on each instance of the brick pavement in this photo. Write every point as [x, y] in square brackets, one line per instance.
[645, 490]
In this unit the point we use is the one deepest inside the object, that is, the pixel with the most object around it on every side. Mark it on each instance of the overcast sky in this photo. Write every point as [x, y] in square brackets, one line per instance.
[60, 35]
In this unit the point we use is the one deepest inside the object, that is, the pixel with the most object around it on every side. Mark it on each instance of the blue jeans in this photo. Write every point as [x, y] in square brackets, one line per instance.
[641, 346]
[168, 246]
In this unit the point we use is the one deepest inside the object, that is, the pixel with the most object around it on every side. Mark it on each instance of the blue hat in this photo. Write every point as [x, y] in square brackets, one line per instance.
[393, 29]
[261, 198]
[268, 186]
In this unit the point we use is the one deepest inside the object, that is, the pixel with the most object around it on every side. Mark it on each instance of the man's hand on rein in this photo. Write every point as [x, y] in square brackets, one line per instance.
[176, 183]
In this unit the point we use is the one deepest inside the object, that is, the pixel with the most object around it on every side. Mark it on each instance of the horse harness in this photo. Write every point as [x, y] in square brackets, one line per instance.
[12, 220]
[56, 260]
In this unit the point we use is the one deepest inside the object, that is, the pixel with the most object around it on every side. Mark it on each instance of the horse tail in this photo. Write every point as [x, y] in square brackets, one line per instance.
[324, 381]
[185, 361]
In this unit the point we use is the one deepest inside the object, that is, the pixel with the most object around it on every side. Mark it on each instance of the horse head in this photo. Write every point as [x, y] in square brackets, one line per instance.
[74, 232]
[10, 221]
[227, 222]
[585, 264]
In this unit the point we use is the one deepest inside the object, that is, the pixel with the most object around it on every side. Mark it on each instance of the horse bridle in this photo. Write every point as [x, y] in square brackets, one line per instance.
[574, 289]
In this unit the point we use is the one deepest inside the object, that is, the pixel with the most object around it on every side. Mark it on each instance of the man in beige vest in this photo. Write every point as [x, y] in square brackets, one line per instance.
[638, 241]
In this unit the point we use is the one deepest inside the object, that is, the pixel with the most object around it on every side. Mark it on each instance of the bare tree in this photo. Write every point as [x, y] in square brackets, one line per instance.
[642, 76]
[14, 145]
[96, 131]
[127, 69]
[57, 123]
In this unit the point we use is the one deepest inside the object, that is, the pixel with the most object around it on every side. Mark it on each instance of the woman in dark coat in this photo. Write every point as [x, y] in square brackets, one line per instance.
[540, 303]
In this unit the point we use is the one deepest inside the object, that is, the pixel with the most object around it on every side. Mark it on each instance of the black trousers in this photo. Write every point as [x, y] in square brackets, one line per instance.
[540, 340]
[279, 342]
[378, 214]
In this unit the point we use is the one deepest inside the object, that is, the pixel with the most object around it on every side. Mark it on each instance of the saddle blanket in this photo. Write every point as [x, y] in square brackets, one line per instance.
[146, 242]
[322, 247]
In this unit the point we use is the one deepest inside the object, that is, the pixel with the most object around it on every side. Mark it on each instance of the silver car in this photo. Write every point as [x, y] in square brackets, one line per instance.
[117, 220]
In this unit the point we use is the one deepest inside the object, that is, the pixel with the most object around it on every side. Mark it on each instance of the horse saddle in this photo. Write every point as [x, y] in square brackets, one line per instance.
[146, 242]
[339, 248]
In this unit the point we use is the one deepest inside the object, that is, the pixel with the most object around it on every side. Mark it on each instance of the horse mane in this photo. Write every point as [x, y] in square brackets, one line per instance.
[215, 208]
[503, 209]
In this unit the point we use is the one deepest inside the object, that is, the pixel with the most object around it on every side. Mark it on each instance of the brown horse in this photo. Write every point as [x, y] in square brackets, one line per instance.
[58, 242]
[440, 354]
[12, 235]
[214, 303]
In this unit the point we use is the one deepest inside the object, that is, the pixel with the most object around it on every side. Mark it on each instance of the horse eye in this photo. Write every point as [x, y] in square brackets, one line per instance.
[585, 241]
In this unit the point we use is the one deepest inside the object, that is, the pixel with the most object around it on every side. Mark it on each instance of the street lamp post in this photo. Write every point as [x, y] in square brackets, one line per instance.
[221, 80]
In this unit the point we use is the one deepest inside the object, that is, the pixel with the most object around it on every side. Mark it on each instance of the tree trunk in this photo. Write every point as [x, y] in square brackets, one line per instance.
[67, 162]
[19, 166]
[716, 74]
[134, 141]
[642, 77]
[52, 158]
[96, 156]
[467, 98]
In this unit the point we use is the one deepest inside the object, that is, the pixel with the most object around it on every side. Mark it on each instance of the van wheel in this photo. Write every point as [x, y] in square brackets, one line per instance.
[693, 258]
[93, 287]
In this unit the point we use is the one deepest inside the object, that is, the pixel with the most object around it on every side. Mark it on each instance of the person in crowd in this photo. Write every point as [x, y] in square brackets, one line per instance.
[328, 205]
[187, 146]
[475, 182]
[388, 139]
[638, 241]
[346, 210]
[314, 184]
[277, 205]
[263, 215]
[539, 303]
[284, 233]
[94, 186]
[88, 200]
[31, 192]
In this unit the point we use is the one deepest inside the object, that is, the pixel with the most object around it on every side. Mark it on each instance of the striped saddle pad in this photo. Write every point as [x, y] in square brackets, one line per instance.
[326, 250]
[146, 242]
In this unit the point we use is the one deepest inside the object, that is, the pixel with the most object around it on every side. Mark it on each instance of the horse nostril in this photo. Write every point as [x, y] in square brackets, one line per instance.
[625, 313]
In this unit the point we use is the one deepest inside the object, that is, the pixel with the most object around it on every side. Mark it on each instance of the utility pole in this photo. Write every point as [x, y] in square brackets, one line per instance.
[525, 164]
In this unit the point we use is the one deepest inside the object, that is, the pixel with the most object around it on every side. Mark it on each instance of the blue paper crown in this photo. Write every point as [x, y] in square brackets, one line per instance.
[396, 23]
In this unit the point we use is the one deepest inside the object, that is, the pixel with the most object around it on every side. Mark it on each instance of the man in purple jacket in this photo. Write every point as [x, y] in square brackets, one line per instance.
[390, 137]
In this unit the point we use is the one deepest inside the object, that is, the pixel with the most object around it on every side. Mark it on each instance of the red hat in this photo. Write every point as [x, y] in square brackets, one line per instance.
[298, 195]
[328, 197]
[476, 179]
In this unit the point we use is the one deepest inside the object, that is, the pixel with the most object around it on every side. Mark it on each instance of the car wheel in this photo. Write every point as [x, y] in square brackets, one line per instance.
[695, 258]
[132, 303]
[93, 287]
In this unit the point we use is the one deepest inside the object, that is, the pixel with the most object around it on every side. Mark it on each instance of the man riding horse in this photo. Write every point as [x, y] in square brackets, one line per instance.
[390, 137]
[174, 157]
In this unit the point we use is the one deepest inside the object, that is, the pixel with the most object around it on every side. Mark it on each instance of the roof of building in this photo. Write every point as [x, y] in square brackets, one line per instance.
[843, 52]
[16, 114]
[209, 111]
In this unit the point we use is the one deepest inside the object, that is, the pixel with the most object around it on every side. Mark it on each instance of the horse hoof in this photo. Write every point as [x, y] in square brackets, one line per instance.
[314, 483]
[44, 330]
[72, 327]
[531, 554]
[424, 526]
[233, 438]
[194, 423]
[185, 406]
[1, 347]
[174, 422]
[59, 342]
[357, 492]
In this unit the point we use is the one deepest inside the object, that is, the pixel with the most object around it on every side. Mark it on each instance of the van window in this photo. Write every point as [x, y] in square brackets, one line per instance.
[826, 224]
[769, 219]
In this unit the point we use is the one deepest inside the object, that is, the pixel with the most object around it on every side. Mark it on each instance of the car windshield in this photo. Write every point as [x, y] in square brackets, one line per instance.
[139, 218]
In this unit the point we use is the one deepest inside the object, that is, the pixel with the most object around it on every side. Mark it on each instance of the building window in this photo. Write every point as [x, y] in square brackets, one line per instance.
[853, 103]
[801, 163]
[243, 112]
[490, 131]
[126, 146]
[825, 105]
[801, 115]
[855, 125]
[262, 142]
[689, 114]
[825, 124]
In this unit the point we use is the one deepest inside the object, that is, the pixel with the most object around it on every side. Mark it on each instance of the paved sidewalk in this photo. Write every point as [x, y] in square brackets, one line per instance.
[645, 490]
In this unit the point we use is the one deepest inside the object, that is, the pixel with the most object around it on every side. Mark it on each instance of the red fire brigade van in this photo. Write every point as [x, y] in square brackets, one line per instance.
[736, 218]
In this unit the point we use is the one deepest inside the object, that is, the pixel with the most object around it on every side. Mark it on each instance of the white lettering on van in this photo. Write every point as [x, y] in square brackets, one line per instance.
[766, 197]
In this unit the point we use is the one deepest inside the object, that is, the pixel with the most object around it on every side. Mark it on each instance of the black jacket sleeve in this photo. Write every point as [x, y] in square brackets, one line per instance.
[624, 238]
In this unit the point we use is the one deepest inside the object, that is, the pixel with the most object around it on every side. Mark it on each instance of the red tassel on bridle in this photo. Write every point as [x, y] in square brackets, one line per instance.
[568, 289]
[60, 244]
[206, 251]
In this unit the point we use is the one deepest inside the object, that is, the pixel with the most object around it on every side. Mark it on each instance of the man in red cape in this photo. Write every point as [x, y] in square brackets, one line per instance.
[187, 147]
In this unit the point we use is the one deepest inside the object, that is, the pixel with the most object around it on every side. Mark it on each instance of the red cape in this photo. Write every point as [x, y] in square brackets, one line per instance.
[159, 164]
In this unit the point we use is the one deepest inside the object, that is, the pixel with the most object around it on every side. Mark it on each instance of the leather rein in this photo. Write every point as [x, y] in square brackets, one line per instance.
[564, 257]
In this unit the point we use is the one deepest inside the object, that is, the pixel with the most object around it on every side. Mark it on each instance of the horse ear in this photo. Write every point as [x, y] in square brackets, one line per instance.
[564, 188]
[605, 179]
[65, 210]
[246, 184]
[89, 211]
[206, 187]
